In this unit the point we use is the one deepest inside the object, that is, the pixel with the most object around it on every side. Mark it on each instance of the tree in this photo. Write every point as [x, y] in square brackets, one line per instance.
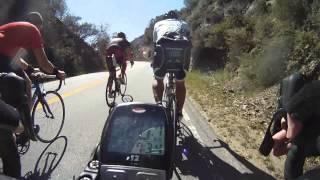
[83, 30]
[101, 39]
[87, 30]
[59, 7]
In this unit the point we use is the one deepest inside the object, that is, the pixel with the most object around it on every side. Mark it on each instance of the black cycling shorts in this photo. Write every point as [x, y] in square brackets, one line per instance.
[9, 116]
[159, 73]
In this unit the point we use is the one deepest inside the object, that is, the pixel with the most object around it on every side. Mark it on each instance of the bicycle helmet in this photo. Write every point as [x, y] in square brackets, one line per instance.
[34, 18]
[121, 35]
[171, 15]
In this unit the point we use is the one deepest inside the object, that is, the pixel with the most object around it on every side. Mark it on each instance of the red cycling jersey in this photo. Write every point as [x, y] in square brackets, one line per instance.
[119, 47]
[16, 35]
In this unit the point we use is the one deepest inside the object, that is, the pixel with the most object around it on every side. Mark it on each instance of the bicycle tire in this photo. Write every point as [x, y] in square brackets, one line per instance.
[54, 101]
[123, 87]
[111, 101]
[171, 111]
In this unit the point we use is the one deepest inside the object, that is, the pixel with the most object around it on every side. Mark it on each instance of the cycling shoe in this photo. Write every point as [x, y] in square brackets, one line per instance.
[22, 139]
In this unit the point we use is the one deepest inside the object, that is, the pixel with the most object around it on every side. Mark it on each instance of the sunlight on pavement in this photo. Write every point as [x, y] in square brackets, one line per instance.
[73, 92]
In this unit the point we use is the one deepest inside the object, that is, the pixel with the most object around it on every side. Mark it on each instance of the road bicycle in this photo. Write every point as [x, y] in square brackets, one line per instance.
[118, 87]
[174, 56]
[47, 114]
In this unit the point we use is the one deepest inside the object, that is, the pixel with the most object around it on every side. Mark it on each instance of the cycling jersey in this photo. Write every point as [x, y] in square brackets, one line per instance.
[119, 47]
[167, 26]
[16, 35]
[122, 43]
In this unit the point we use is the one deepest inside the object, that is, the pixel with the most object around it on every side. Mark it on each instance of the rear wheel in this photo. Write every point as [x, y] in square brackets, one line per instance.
[123, 86]
[111, 95]
[48, 116]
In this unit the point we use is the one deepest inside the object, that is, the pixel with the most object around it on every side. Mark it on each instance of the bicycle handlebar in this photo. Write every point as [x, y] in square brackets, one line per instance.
[38, 76]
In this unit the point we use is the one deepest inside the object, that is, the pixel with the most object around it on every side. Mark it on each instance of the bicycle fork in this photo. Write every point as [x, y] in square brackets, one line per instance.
[46, 108]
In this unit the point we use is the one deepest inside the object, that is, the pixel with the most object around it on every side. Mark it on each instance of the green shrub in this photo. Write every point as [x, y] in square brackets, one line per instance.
[273, 61]
[264, 27]
[215, 36]
[306, 53]
[266, 66]
[294, 11]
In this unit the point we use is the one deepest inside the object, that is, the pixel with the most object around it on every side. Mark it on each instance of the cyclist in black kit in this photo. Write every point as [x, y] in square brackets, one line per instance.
[300, 137]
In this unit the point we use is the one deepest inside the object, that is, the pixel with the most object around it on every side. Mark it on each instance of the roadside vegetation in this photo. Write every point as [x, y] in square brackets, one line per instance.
[242, 50]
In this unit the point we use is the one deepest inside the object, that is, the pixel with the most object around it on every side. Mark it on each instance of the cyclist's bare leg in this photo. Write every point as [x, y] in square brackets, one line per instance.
[112, 75]
[123, 69]
[180, 94]
[158, 88]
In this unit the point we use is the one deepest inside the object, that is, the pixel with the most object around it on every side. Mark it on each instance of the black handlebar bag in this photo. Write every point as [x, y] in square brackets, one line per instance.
[135, 143]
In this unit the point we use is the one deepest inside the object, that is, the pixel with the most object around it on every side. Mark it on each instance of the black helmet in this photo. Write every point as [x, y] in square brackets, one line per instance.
[121, 35]
[171, 15]
[34, 18]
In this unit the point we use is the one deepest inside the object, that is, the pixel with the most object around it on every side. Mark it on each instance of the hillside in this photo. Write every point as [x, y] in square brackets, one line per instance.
[141, 50]
[260, 41]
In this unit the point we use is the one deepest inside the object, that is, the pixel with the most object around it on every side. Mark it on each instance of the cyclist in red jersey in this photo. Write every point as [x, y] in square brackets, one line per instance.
[118, 50]
[14, 37]
[24, 35]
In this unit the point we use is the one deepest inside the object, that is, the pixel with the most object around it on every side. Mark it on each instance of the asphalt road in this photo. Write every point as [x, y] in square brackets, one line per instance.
[86, 113]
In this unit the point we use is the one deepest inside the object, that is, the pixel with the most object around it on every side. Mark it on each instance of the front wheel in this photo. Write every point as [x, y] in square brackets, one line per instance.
[48, 115]
[172, 113]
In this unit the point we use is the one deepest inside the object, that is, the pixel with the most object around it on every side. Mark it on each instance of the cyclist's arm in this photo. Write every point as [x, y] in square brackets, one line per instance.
[129, 54]
[45, 64]
[22, 63]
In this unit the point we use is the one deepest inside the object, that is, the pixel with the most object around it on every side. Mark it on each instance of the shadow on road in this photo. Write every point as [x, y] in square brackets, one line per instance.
[48, 160]
[201, 163]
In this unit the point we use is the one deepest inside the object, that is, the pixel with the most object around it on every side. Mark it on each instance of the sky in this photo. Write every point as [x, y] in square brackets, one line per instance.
[128, 16]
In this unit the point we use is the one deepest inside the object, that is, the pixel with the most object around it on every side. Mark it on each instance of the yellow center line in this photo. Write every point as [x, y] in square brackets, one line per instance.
[74, 91]
[81, 88]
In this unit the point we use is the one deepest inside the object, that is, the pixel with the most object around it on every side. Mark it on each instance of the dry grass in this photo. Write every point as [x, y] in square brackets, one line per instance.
[239, 118]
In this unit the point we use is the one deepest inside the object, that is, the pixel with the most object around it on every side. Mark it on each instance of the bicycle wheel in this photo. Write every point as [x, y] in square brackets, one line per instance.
[48, 116]
[174, 116]
[111, 96]
[123, 86]
[171, 111]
